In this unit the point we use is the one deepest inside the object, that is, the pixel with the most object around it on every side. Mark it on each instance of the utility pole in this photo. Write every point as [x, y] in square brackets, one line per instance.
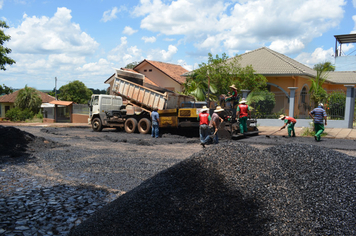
[55, 88]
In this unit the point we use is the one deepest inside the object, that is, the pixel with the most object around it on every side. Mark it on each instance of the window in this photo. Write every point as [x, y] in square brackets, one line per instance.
[145, 70]
[96, 100]
[303, 94]
[150, 70]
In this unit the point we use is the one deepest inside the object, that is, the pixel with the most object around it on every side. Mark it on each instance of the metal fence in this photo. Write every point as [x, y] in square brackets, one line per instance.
[82, 109]
[334, 106]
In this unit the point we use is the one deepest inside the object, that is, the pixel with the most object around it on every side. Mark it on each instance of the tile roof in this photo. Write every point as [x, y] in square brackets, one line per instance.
[12, 97]
[268, 62]
[341, 77]
[171, 70]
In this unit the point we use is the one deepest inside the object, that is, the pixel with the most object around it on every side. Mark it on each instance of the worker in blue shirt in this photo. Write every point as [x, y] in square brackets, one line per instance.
[155, 123]
[318, 114]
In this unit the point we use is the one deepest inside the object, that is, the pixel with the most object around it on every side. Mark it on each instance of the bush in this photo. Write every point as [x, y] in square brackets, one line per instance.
[263, 103]
[16, 114]
[335, 107]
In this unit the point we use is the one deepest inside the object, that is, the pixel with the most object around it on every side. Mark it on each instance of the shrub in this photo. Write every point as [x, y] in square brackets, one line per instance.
[16, 114]
[263, 103]
[336, 105]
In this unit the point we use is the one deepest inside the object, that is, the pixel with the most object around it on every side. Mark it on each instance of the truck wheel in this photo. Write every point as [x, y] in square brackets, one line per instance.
[96, 125]
[144, 126]
[131, 125]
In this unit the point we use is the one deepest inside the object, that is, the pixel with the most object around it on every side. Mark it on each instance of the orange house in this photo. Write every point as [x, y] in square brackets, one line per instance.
[285, 75]
[160, 74]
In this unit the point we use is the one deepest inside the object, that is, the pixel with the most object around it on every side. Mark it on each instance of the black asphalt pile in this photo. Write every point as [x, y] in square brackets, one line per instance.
[15, 142]
[235, 189]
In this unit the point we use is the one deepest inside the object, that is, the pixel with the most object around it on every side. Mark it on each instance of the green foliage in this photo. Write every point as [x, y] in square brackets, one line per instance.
[326, 66]
[317, 93]
[222, 72]
[18, 114]
[4, 59]
[39, 115]
[28, 98]
[98, 91]
[263, 102]
[75, 91]
[335, 107]
[132, 65]
[196, 85]
[5, 89]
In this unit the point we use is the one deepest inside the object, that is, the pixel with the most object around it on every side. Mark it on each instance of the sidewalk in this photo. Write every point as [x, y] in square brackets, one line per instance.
[331, 132]
[337, 133]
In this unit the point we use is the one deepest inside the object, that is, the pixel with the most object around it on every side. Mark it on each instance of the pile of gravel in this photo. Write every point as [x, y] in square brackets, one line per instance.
[17, 143]
[235, 189]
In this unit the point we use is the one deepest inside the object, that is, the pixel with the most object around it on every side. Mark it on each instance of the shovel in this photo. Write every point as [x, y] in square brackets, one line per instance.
[268, 136]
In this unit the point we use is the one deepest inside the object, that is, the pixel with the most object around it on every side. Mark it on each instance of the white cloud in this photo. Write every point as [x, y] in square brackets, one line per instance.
[1, 3]
[124, 54]
[128, 30]
[242, 25]
[149, 39]
[110, 14]
[44, 47]
[162, 55]
[354, 3]
[354, 30]
[57, 35]
[287, 46]
[319, 55]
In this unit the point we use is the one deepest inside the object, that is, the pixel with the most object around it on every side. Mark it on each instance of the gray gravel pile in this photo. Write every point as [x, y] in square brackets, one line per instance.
[235, 189]
[48, 210]
[15, 142]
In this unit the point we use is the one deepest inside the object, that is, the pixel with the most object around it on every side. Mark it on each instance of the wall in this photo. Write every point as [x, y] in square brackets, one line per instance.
[301, 123]
[159, 77]
[79, 118]
[2, 115]
[48, 120]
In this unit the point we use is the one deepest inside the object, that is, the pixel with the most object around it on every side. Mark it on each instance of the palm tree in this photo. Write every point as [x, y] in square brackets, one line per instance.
[318, 94]
[28, 98]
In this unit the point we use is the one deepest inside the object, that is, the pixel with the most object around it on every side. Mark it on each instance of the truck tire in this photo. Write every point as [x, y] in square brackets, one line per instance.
[96, 125]
[144, 126]
[131, 125]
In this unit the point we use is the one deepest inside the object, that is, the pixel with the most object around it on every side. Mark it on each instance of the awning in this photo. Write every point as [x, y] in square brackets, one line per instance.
[63, 103]
[45, 105]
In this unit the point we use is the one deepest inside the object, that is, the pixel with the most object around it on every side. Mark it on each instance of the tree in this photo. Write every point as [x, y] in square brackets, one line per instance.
[222, 73]
[131, 65]
[28, 98]
[98, 91]
[75, 91]
[5, 89]
[317, 93]
[4, 59]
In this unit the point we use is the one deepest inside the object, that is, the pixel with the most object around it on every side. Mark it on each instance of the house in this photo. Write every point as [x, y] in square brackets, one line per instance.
[159, 74]
[285, 74]
[7, 101]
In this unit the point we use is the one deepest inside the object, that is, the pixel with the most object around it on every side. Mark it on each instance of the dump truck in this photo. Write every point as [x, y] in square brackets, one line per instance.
[133, 114]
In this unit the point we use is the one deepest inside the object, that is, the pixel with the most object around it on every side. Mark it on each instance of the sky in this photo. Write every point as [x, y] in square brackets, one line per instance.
[86, 40]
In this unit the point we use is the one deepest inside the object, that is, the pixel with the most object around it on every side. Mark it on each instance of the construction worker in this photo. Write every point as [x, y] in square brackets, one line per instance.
[204, 119]
[318, 114]
[242, 112]
[233, 97]
[155, 123]
[290, 121]
[215, 122]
